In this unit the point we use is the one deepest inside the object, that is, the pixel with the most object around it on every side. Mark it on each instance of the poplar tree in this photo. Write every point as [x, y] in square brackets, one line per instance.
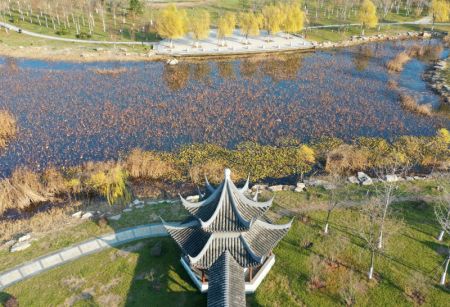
[367, 15]
[250, 24]
[273, 18]
[440, 11]
[225, 26]
[199, 24]
[294, 18]
[171, 23]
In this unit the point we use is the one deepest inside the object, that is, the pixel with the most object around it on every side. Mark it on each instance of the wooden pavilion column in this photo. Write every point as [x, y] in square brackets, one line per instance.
[203, 277]
[250, 274]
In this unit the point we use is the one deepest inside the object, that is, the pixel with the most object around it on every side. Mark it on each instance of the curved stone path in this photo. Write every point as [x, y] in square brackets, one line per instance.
[60, 257]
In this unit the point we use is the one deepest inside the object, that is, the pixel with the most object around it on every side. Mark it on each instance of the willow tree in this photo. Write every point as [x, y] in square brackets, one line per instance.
[250, 24]
[225, 26]
[440, 11]
[367, 15]
[171, 23]
[294, 18]
[273, 18]
[199, 24]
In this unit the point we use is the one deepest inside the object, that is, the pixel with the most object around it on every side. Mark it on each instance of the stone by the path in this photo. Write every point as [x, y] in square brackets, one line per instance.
[139, 206]
[276, 188]
[137, 202]
[20, 246]
[127, 210]
[260, 187]
[87, 215]
[24, 238]
[116, 217]
[8, 244]
[172, 61]
[364, 178]
[77, 215]
[289, 187]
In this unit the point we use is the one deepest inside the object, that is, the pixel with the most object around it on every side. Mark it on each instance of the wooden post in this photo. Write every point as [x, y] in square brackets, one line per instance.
[203, 277]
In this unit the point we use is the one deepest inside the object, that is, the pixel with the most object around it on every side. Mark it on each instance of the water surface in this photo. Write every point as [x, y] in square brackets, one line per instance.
[69, 113]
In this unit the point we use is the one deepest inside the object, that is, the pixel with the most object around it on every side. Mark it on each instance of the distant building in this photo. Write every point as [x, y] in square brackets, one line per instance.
[227, 245]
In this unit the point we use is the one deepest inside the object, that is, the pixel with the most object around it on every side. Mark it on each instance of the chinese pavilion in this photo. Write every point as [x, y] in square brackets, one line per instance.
[227, 244]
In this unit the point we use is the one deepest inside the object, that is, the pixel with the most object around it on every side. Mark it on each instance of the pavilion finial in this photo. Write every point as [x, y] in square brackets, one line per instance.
[228, 174]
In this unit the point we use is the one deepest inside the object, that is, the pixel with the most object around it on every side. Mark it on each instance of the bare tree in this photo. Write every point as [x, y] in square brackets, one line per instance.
[337, 196]
[442, 213]
[368, 228]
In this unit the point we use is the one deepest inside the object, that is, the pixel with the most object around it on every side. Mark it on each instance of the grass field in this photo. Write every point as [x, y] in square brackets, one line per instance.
[331, 272]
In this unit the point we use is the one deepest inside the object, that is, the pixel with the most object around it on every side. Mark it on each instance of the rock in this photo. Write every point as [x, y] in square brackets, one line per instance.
[172, 61]
[156, 249]
[409, 178]
[419, 178]
[77, 215]
[276, 188]
[19, 246]
[316, 182]
[298, 189]
[24, 238]
[260, 187]
[425, 34]
[353, 179]
[301, 185]
[392, 178]
[193, 198]
[289, 187]
[364, 178]
[127, 210]
[87, 215]
[116, 217]
[8, 244]
[139, 206]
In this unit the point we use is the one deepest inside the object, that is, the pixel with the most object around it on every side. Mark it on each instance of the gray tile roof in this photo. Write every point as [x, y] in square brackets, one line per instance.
[226, 283]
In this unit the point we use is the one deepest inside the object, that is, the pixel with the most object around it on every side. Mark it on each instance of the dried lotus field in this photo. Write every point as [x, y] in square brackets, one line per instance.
[69, 113]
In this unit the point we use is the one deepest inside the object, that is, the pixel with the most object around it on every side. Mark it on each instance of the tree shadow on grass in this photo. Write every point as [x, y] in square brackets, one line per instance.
[160, 280]
[6, 298]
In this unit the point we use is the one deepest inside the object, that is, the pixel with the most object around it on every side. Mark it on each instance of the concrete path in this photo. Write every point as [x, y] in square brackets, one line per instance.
[71, 40]
[55, 259]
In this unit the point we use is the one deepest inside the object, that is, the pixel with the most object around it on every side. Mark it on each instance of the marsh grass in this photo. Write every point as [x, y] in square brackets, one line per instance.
[8, 127]
[397, 63]
[410, 104]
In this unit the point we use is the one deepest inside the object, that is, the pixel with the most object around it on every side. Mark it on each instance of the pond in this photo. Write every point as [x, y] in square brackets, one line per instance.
[69, 113]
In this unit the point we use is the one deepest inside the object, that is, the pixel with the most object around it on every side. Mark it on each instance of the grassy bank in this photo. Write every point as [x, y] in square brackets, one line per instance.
[331, 272]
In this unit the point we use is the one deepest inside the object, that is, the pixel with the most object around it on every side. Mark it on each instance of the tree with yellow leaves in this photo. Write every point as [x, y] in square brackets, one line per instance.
[199, 25]
[225, 26]
[294, 18]
[171, 23]
[367, 15]
[250, 24]
[273, 18]
[111, 184]
[440, 11]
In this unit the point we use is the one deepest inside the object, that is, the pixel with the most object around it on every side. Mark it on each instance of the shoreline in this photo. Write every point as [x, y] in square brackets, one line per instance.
[102, 54]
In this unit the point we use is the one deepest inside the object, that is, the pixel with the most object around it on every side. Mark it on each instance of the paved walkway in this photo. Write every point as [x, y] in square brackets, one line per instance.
[70, 40]
[55, 259]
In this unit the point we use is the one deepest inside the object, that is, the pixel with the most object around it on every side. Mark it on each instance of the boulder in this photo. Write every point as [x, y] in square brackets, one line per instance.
[276, 188]
[260, 187]
[8, 244]
[87, 215]
[301, 185]
[364, 178]
[116, 217]
[299, 190]
[77, 215]
[172, 61]
[127, 210]
[353, 179]
[20, 246]
[316, 182]
[392, 178]
[139, 206]
[24, 238]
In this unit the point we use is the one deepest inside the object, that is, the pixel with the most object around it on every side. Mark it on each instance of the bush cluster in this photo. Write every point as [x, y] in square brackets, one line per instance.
[193, 162]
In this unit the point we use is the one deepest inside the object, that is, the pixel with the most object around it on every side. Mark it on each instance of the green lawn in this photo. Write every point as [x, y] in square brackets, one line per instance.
[331, 272]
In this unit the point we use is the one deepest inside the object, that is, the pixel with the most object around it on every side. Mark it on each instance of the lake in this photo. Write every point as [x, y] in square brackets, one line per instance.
[69, 113]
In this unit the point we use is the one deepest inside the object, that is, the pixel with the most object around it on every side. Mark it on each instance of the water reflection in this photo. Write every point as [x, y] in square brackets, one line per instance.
[362, 57]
